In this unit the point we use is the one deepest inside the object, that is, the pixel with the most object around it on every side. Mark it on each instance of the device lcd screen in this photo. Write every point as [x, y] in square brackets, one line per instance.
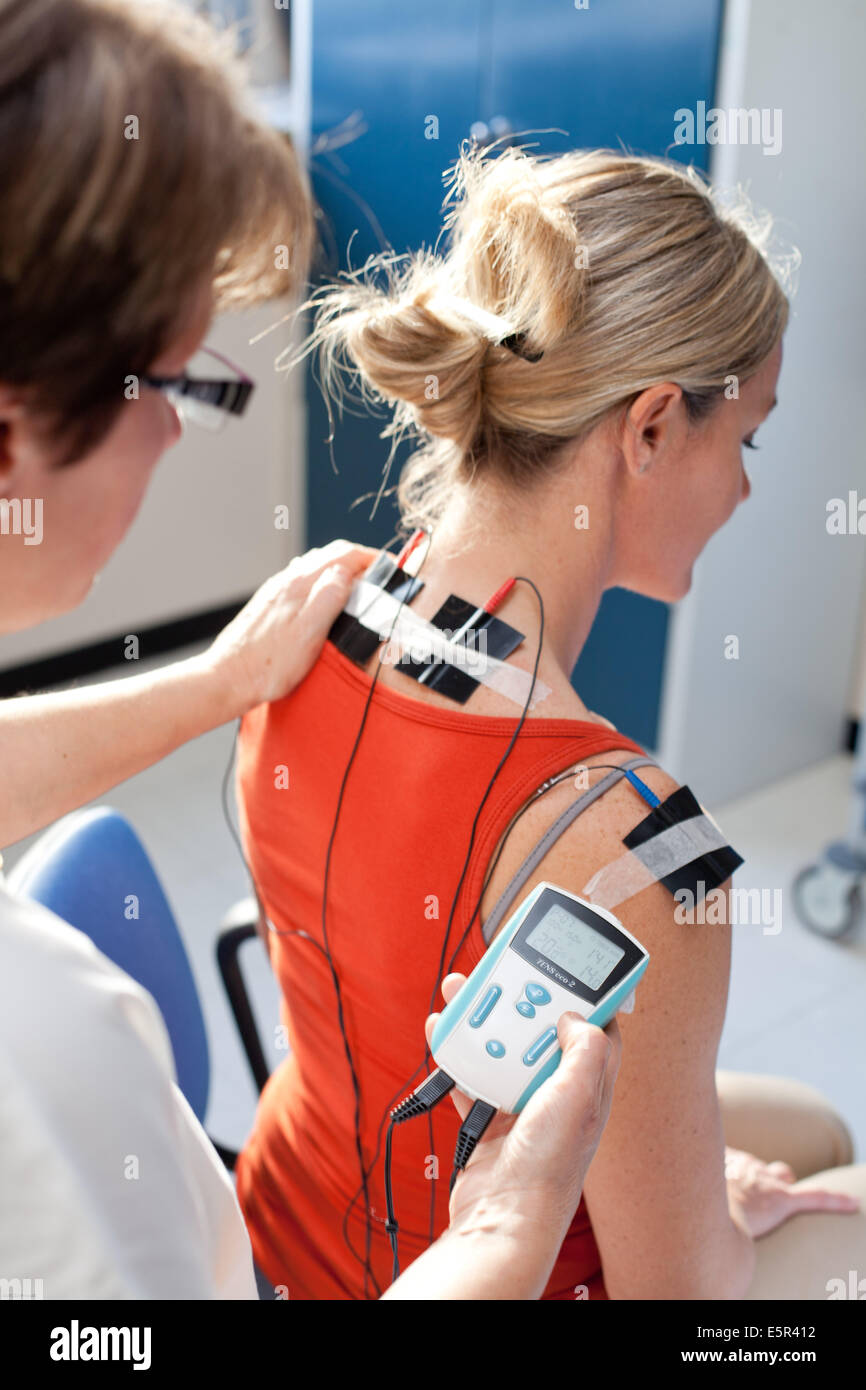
[575, 947]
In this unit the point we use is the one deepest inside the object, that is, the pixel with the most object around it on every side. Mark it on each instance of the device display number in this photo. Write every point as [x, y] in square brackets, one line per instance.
[575, 947]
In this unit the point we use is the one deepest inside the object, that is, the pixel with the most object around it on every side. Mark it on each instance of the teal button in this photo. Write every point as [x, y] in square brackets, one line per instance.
[539, 1047]
[537, 994]
[527, 1010]
[496, 1049]
[484, 1005]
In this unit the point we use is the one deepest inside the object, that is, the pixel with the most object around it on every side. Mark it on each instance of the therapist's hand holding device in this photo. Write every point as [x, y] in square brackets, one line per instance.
[523, 1183]
[497, 1038]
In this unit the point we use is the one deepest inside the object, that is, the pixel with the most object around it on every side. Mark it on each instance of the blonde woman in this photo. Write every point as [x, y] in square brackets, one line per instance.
[569, 350]
[113, 256]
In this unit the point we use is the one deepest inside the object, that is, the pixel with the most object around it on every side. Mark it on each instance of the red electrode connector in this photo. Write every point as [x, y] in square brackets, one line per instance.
[413, 542]
[502, 593]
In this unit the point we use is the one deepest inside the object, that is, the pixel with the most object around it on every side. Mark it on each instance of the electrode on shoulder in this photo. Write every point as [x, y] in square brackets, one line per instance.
[678, 845]
[348, 632]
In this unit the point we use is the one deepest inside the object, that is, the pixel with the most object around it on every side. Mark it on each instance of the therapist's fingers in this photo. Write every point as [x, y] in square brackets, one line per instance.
[548, 1151]
[450, 986]
[325, 599]
[319, 558]
[535, 1163]
[579, 1104]
[575, 1100]
[273, 642]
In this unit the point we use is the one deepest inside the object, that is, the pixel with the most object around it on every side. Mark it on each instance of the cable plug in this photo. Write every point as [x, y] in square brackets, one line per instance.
[471, 1131]
[424, 1097]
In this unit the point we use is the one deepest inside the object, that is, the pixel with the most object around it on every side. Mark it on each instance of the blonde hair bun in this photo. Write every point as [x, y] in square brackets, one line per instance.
[609, 272]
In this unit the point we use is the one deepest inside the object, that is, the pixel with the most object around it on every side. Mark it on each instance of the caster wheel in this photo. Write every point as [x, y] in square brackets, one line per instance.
[827, 900]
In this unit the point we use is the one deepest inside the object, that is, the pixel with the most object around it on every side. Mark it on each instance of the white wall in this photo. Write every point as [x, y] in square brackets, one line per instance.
[773, 576]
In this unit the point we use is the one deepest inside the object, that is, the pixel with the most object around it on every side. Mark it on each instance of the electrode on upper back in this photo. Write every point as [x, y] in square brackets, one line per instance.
[461, 647]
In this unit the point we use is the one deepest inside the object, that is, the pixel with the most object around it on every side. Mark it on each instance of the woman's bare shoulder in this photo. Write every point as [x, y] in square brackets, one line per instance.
[688, 963]
[592, 840]
[655, 1191]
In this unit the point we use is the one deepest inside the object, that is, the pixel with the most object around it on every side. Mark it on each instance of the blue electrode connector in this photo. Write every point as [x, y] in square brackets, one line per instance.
[641, 788]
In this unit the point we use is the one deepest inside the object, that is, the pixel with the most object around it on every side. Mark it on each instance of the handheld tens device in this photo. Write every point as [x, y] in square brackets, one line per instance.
[558, 954]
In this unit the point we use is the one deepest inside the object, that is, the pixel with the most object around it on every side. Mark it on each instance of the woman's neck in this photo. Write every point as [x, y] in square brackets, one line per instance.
[482, 540]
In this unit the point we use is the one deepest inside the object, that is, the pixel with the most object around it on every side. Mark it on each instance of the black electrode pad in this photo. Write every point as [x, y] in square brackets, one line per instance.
[700, 875]
[353, 639]
[486, 636]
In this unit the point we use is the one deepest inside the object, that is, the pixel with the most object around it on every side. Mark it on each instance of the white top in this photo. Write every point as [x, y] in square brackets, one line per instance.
[109, 1187]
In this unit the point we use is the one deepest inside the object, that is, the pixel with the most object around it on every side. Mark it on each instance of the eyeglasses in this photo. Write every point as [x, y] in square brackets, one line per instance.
[200, 396]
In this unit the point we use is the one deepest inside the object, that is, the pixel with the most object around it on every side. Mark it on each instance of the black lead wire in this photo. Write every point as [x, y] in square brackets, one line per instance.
[368, 1238]
[520, 579]
[365, 1261]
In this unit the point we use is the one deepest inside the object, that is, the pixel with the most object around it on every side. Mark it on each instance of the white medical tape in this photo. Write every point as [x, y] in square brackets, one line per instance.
[413, 636]
[666, 852]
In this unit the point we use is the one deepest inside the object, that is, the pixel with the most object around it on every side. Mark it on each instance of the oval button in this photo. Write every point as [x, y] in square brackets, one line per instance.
[495, 1048]
[537, 994]
[539, 1047]
[527, 1010]
[484, 1005]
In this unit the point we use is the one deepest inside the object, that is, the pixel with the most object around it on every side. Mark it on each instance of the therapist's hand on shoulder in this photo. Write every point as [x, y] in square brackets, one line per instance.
[273, 642]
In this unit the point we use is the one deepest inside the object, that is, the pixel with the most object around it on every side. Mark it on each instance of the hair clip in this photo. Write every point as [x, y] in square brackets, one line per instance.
[516, 343]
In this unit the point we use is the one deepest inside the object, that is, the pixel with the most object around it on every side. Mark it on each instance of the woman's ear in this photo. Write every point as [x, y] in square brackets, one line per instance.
[652, 422]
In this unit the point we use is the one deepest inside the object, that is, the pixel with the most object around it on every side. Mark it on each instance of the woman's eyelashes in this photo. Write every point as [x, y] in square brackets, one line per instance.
[750, 444]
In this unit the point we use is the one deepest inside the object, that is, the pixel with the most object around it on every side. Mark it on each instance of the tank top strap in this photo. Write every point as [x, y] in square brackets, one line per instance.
[549, 838]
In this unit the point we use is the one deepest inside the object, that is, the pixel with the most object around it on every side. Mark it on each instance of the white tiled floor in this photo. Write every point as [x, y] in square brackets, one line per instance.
[797, 1002]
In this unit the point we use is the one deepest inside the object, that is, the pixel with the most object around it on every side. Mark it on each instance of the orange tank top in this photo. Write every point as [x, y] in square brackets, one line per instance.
[418, 777]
